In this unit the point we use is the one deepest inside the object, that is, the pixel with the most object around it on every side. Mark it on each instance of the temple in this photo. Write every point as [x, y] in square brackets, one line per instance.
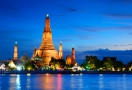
[46, 49]
[60, 51]
[15, 57]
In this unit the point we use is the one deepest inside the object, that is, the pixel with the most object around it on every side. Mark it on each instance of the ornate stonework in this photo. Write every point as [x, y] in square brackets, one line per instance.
[60, 52]
[15, 56]
[46, 49]
[73, 56]
[68, 60]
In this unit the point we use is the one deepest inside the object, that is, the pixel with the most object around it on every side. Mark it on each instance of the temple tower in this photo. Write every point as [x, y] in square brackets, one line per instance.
[15, 52]
[68, 60]
[60, 51]
[46, 49]
[73, 56]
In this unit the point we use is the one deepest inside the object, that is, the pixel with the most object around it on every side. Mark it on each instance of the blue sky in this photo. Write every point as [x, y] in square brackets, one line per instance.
[94, 27]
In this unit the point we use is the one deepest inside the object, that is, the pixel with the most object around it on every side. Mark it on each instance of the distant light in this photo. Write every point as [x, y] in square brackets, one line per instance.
[100, 74]
[15, 42]
[28, 74]
[47, 74]
[47, 15]
[80, 73]
[18, 68]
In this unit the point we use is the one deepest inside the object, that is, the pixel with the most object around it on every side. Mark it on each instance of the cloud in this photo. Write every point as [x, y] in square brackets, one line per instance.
[70, 9]
[64, 40]
[121, 16]
[124, 55]
[99, 29]
[130, 33]
[123, 45]
[9, 9]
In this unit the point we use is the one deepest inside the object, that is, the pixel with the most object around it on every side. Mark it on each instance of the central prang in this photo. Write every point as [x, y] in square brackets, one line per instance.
[46, 50]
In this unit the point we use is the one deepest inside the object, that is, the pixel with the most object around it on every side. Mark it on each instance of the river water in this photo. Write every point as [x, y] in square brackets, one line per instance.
[65, 82]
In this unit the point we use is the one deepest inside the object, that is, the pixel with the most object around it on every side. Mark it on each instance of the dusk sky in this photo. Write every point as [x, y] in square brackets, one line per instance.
[94, 27]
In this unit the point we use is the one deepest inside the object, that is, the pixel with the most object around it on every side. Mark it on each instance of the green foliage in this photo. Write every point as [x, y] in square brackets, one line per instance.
[91, 63]
[57, 63]
[118, 64]
[24, 58]
[30, 65]
[108, 63]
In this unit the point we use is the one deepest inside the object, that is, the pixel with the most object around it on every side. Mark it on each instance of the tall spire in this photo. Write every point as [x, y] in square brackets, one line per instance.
[15, 52]
[60, 51]
[46, 49]
[73, 56]
[47, 22]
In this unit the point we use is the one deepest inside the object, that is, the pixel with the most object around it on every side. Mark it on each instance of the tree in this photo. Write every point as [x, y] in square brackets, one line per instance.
[30, 65]
[57, 63]
[91, 63]
[118, 65]
[24, 58]
[108, 63]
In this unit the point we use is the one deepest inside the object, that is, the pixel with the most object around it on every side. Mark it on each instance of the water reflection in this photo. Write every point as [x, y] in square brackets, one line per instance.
[124, 81]
[14, 82]
[28, 82]
[65, 82]
[18, 82]
[59, 82]
[100, 81]
[46, 82]
[0, 81]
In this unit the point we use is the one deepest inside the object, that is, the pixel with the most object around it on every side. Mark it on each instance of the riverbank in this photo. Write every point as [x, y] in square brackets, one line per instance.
[65, 72]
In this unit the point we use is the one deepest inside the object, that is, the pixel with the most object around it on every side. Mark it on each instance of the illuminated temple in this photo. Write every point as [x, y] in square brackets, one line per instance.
[47, 50]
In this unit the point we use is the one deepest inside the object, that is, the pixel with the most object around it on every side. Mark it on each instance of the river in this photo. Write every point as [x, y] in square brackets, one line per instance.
[65, 82]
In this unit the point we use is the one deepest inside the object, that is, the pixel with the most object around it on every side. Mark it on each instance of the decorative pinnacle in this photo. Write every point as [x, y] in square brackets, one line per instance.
[47, 15]
[60, 41]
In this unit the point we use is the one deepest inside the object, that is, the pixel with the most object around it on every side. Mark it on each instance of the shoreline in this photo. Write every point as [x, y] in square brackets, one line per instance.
[65, 72]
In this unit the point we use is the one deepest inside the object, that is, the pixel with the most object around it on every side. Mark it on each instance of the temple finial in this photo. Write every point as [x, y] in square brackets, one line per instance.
[15, 42]
[60, 42]
[47, 15]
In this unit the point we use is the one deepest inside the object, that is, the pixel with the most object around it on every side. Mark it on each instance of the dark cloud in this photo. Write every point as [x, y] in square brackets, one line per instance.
[64, 40]
[122, 1]
[130, 33]
[123, 45]
[70, 9]
[9, 8]
[124, 55]
[121, 16]
[98, 29]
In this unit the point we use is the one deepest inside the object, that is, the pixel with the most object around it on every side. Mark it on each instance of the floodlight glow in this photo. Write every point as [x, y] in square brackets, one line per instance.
[18, 68]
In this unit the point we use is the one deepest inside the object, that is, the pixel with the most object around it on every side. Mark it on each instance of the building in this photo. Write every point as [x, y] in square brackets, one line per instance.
[60, 51]
[46, 50]
[68, 60]
[15, 57]
[71, 60]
